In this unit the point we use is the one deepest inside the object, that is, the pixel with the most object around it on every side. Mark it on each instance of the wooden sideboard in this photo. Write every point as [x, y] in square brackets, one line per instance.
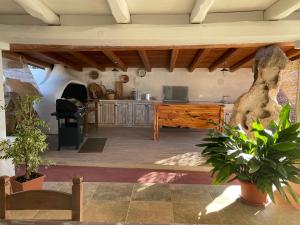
[187, 115]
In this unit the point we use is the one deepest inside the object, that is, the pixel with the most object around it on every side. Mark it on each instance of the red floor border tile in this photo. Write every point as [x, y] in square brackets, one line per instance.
[128, 175]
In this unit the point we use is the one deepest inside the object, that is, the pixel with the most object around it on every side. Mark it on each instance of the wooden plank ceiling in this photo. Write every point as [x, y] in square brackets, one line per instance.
[212, 57]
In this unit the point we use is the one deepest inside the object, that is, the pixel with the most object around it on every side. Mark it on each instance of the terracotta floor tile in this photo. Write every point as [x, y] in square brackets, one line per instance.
[106, 211]
[53, 215]
[150, 212]
[189, 193]
[151, 192]
[113, 191]
[194, 213]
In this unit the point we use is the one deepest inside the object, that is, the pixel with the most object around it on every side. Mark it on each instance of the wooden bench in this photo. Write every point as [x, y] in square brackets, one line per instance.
[41, 199]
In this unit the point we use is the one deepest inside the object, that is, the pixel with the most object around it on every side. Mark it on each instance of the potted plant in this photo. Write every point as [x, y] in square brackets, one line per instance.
[261, 160]
[29, 143]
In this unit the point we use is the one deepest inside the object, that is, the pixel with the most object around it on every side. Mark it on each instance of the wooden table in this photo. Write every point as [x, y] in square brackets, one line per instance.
[187, 115]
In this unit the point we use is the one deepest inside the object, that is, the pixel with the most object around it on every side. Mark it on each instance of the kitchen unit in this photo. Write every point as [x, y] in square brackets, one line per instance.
[122, 113]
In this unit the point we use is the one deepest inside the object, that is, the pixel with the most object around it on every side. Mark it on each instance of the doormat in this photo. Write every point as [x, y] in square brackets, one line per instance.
[93, 145]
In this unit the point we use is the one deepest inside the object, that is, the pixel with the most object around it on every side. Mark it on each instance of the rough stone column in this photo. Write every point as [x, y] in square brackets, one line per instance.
[6, 166]
[260, 101]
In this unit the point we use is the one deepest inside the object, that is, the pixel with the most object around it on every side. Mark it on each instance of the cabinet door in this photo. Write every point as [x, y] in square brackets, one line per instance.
[149, 114]
[139, 114]
[107, 114]
[123, 114]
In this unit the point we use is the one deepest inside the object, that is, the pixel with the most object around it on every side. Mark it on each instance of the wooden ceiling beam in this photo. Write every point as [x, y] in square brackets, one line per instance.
[222, 59]
[281, 9]
[242, 62]
[120, 11]
[40, 11]
[197, 59]
[28, 59]
[145, 60]
[88, 60]
[200, 10]
[61, 60]
[78, 48]
[173, 59]
[115, 59]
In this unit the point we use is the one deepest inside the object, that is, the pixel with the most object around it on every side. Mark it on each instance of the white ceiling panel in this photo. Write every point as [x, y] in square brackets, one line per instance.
[10, 7]
[83, 7]
[160, 6]
[240, 5]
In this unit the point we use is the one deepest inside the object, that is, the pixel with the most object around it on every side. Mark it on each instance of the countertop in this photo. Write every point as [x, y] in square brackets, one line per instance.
[159, 101]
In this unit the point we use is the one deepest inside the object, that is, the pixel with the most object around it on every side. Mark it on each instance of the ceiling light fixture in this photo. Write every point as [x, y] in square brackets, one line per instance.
[224, 70]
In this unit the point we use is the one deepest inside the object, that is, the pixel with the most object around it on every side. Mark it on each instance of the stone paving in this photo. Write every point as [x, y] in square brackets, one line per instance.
[165, 204]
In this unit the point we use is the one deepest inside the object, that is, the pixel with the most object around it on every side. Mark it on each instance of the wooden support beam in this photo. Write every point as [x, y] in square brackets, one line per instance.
[200, 10]
[88, 60]
[292, 53]
[38, 9]
[115, 59]
[173, 59]
[145, 60]
[120, 11]
[93, 48]
[197, 59]
[281, 9]
[61, 60]
[28, 59]
[242, 62]
[222, 59]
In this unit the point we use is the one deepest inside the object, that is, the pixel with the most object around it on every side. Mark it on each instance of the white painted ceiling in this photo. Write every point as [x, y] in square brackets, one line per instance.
[100, 7]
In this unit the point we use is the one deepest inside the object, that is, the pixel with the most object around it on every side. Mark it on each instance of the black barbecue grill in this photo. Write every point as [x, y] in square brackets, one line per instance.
[70, 116]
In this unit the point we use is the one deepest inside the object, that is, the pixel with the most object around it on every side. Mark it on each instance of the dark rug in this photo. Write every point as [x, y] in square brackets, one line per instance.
[93, 145]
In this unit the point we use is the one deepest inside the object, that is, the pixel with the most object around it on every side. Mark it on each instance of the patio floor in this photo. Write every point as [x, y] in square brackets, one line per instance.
[135, 148]
[166, 203]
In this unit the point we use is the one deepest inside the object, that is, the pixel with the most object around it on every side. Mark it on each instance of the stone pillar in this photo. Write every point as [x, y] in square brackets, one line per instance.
[6, 166]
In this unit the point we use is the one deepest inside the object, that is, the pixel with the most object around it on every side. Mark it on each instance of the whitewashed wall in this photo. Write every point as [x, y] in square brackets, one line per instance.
[6, 166]
[203, 85]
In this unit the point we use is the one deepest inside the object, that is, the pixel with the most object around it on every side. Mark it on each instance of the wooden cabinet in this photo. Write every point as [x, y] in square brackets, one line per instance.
[107, 113]
[123, 114]
[142, 114]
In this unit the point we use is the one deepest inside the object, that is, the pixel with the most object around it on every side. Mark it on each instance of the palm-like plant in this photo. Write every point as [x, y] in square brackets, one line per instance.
[267, 157]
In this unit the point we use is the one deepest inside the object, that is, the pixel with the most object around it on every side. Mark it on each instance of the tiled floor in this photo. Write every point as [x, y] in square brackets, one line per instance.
[167, 203]
[135, 148]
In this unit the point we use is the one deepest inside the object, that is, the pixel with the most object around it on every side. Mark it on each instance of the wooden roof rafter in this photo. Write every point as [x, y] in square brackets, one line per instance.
[196, 60]
[28, 59]
[61, 60]
[88, 60]
[173, 59]
[242, 62]
[115, 59]
[145, 60]
[222, 59]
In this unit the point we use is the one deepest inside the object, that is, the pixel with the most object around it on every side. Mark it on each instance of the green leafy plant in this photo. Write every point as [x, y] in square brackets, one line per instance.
[267, 157]
[30, 140]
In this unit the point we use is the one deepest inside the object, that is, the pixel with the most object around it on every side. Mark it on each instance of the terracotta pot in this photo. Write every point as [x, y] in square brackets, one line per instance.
[251, 195]
[34, 184]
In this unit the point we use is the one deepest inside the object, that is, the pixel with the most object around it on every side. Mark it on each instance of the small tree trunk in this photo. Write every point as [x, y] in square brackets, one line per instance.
[27, 173]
